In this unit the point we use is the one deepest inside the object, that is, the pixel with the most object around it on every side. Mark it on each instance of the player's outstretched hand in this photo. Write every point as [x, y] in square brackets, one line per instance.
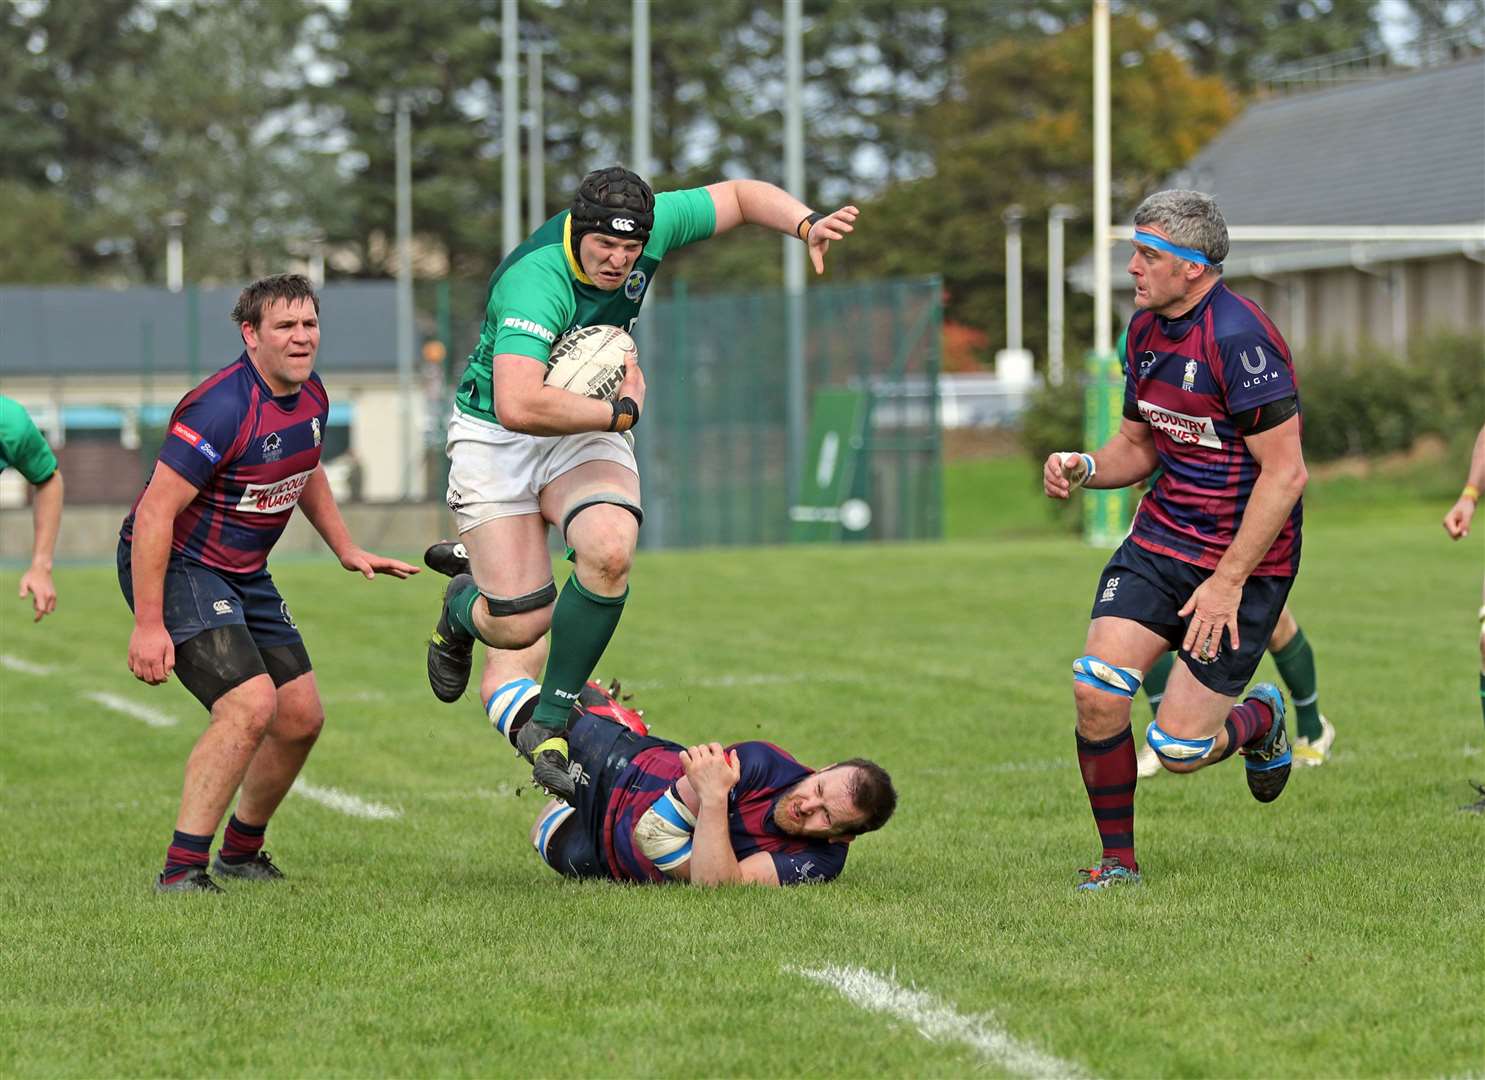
[1457, 520]
[1212, 606]
[151, 653]
[37, 584]
[831, 227]
[360, 561]
[1063, 471]
[711, 770]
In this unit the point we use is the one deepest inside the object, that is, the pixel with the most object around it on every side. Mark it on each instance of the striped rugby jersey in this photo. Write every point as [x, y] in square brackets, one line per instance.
[250, 454]
[766, 774]
[1186, 378]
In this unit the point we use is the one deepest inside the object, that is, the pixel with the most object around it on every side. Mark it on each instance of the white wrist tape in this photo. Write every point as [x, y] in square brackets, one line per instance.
[1079, 468]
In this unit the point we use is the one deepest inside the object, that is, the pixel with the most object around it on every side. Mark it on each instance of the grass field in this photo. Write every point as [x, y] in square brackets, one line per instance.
[1337, 932]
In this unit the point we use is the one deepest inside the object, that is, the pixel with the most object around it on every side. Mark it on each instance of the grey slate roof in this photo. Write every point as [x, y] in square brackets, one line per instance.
[1405, 149]
[74, 330]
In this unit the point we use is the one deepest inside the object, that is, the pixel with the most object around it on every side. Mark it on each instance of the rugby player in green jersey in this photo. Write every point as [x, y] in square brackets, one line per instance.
[524, 455]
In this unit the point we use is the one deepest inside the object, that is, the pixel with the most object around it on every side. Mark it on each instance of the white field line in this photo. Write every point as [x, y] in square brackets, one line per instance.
[938, 1022]
[344, 802]
[25, 667]
[152, 717]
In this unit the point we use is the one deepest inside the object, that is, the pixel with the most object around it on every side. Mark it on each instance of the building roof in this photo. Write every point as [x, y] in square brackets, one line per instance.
[73, 330]
[1404, 149]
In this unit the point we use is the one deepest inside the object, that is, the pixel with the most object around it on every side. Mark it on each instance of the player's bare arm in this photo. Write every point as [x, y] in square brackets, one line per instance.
[151, 652]
[1126, 459]
[1457, 520]
[318, 504]
[1281, 481]
[525, 403]
[712, 774]
[756, 202]
[36, 582]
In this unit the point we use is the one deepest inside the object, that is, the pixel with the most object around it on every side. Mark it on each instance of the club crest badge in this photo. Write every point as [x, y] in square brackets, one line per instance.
[1188, 379]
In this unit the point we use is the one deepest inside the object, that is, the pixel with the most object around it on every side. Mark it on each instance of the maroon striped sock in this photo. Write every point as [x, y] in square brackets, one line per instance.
[186, 850]
[241, 842]
[1246, 724]
[1109, 775]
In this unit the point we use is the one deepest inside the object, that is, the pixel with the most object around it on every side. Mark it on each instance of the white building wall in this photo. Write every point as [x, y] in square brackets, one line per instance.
[376, 420]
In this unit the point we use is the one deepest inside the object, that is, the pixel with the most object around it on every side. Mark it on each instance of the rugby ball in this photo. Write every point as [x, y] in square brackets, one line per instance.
[590, 361]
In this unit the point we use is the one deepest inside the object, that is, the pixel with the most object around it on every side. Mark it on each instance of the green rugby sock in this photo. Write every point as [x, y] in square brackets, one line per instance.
[461, 610]
[1296, 664]
[1155, 680]
[1482, 692]
[582, 625]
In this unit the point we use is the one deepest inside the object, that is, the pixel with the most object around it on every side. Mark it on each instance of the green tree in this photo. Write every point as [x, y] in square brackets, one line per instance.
[65, 68]
[116, 113]
[1018, 129]
[1241, 39]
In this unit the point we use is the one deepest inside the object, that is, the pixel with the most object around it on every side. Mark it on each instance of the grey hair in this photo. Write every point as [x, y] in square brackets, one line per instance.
[1191, 219]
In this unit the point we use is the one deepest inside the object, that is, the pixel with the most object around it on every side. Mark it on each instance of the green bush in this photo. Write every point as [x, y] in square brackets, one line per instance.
[1053, 421]
[1374, 403]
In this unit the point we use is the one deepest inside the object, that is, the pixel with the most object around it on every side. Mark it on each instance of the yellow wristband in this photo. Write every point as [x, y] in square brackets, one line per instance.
[1471, 493]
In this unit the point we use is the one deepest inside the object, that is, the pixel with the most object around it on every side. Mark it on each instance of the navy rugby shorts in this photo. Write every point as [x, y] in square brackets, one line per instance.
[199, 598]
[602, 750]
[1150, 589]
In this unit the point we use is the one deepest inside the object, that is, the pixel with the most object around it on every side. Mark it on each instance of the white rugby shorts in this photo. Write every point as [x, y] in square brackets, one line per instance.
[495, 473]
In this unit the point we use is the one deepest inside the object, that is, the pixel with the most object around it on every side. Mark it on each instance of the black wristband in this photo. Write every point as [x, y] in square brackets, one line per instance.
[808, 219]
[626, 414]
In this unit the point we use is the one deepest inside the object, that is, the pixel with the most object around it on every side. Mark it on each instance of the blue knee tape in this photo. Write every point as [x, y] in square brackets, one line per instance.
[1101, 675]
[506, 702]
[1170, 748]
[548, 823]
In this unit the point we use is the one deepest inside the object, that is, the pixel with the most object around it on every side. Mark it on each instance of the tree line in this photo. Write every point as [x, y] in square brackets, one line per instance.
[267, 125]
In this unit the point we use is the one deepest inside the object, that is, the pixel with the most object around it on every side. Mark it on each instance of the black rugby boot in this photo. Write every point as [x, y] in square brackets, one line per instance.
[448, 557]
[450, 650]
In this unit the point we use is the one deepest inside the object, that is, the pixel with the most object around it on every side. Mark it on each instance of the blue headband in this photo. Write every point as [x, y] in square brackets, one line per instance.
[1149, 239]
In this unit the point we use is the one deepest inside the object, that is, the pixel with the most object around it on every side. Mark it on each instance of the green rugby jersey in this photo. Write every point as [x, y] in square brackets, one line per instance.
[22, 445]
[538, 292]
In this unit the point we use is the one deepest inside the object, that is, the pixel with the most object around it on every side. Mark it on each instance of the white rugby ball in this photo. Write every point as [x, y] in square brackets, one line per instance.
[590, 361]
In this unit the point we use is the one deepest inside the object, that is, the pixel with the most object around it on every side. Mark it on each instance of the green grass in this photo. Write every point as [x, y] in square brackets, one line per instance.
[1337, 932]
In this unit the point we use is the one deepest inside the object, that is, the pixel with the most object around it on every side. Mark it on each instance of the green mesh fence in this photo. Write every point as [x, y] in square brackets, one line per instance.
[714, 445]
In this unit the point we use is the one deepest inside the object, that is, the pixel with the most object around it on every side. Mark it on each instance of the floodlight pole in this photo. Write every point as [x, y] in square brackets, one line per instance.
[536, 178]
[175, 256]
[640, 86]
[1012, 216]
[1103, 338]
[404, 292]
[793, 250]
[1055, 290]
[510, 117]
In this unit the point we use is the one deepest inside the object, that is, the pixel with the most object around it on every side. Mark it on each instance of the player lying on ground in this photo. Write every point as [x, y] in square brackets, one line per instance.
[648, 810]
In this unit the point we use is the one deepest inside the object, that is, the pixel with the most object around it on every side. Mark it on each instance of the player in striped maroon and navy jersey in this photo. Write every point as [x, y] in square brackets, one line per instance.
[1211, 400]
[241, 451]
